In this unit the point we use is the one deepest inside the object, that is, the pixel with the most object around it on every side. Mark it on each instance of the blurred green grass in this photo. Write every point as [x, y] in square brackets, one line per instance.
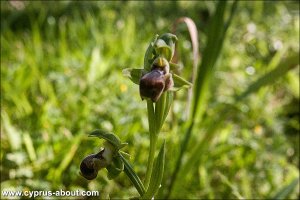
[61, 78]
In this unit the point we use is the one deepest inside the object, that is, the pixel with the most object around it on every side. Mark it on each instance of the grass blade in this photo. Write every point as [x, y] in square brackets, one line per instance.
[283, 67]
[192, 28]
[68, 156]
[286, 190]
[194, 39]
[216, 34]
[29, 146]
[233, 188]
[14, 135]
[210, 56]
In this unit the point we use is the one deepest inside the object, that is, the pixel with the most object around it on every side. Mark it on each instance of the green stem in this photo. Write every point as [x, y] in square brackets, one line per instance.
[151, 117]
[136, 181]
[159, 112]
[153, 139]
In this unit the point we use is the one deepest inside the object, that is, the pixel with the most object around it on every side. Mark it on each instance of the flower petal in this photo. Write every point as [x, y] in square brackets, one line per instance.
[180, 82]
[134, 74]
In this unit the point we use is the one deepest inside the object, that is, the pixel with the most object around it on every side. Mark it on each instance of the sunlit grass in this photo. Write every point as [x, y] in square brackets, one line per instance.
[61, 78]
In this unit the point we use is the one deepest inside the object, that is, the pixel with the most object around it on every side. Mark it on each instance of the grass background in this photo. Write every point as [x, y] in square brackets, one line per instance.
[61, 78]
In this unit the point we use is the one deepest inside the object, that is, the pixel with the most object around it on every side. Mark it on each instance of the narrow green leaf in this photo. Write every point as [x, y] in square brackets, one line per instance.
[283, 67]
[134, 74]
[284, 192]
[135, 180]
[180, 82]
[110, 137]
[157, 174]
[229, 20]
[210, 56]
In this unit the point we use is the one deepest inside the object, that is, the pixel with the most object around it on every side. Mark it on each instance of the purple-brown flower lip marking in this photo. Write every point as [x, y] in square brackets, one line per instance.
[157, 81]
[91, 164]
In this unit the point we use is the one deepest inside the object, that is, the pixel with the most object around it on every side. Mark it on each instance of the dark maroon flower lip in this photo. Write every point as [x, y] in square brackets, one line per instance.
[152, 85]
[88, 168]
[157, 81]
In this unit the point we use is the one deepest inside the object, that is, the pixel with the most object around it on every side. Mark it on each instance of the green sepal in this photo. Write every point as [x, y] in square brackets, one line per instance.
[157, 174]
[134, 74]
[180, 82]
[126, 155]
[170, 40]
[175, 66]
[115, 168]
[163, 49]
[150, 55]
[110, 137]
